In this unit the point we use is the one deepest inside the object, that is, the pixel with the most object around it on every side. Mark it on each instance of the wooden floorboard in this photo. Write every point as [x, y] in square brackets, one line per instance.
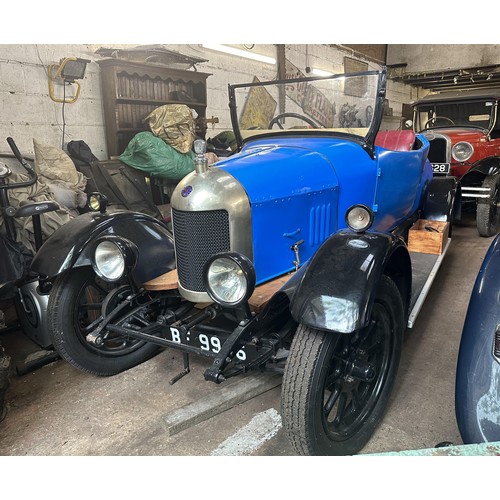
[260, 297]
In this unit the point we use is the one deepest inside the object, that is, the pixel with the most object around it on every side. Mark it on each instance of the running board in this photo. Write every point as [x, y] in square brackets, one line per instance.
[427, 286]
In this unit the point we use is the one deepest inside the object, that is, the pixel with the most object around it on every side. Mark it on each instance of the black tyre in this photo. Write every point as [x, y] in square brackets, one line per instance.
[75, 302]
[336, 386]
[488, 211]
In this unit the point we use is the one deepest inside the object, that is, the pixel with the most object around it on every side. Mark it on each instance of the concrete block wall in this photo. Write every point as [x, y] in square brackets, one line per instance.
[420, 57]
[28, 112]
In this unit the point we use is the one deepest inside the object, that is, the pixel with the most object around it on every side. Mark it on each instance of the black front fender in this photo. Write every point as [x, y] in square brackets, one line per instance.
[71, 245]
[335, 289]
[485, 166]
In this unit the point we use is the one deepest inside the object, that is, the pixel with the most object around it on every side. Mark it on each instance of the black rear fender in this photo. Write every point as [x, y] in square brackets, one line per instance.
[335, 289]
[439, 204]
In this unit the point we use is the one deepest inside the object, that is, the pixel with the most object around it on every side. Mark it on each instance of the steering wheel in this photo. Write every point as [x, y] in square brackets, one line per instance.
[291, 115]
[435, 118]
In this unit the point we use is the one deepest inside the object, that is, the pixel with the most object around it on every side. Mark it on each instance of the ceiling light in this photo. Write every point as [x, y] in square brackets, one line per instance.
[320, 72]
[241, 53]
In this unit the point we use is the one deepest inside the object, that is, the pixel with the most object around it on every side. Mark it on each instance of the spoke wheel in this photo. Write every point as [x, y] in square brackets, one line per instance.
[76, 304]
[336, 386]
[488, 211]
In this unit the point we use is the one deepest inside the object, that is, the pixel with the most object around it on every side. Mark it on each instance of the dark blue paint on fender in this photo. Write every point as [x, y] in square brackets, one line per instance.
[477, 392]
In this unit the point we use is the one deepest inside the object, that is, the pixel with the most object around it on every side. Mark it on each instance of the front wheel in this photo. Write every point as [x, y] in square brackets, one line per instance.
[77, 299]
[336, 386]
[488, 211]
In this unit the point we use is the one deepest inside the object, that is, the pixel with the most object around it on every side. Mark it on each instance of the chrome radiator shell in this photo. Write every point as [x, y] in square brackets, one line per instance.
[210, 213]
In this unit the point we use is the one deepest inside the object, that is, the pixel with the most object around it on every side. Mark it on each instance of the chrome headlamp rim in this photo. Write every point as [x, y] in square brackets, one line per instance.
[247, 272]
[366, 218]
[124, 250]
[464, 157]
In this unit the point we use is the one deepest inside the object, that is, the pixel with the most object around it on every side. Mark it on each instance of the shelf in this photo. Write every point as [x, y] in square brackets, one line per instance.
[132, 90]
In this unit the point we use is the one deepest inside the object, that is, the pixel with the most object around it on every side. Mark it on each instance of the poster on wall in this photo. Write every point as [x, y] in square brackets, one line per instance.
[313, 102]
[317, 106]
[355, 87]
[296, 91]
[259, 108]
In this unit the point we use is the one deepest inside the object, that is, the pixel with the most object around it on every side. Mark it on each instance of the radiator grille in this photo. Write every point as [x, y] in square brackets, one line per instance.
[198, 236]
[438, 151]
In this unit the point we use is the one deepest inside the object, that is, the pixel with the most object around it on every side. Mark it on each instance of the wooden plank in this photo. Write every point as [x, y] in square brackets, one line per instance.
[167, 281]
[263, 293]
[218, 401]
[260, 297]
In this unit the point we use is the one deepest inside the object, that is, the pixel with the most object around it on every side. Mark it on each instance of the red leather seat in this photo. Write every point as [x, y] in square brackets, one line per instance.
[395, 140]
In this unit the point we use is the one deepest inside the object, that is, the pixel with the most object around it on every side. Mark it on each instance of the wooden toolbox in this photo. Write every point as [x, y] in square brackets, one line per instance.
[428, 236]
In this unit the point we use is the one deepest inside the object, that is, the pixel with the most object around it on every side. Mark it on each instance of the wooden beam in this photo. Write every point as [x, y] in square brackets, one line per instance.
[263, 293]
[259, 299]
[167, 281]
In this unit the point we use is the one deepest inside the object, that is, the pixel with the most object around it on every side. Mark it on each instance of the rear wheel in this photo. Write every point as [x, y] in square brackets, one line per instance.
[336, 386]
[76, 302]
[488, 211]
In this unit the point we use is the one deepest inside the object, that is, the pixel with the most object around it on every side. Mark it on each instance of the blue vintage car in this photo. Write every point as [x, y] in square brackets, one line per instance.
[477, 389]
[291, 255]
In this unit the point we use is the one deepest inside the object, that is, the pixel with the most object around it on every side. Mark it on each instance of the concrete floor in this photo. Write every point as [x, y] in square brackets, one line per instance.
[57, 410]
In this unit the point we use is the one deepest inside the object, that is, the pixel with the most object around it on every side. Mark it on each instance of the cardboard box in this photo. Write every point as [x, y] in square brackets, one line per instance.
[423, 239]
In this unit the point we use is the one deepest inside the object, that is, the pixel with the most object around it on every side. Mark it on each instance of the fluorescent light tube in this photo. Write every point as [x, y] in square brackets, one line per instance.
[320, 72]
[241, 53]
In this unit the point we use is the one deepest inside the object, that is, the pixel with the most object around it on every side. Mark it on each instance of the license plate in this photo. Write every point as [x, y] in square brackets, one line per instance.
[441, 168]
[205, 342]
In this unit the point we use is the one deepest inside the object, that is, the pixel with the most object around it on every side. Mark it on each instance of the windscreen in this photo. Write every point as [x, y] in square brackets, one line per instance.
[339, 104]
[460, 114]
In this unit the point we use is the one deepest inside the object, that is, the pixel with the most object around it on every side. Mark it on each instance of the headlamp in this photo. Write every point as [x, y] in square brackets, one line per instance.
[462, 151]
[229, 278]
[113, 257]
